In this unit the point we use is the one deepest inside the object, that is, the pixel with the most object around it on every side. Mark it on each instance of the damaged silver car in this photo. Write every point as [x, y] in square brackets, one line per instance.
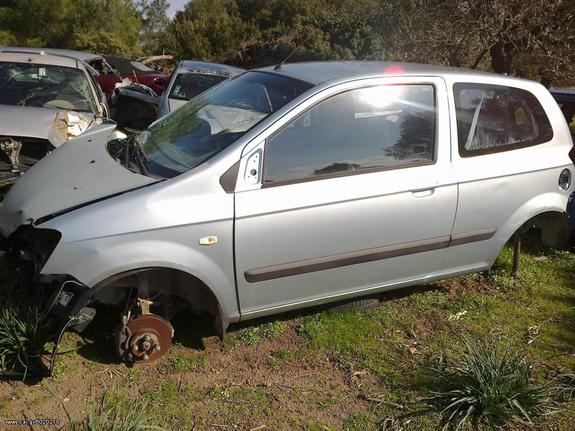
[45, 100]
[287, 187]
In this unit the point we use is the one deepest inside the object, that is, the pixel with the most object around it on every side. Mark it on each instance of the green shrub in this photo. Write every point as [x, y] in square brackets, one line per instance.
[23, 333]
[487, 386]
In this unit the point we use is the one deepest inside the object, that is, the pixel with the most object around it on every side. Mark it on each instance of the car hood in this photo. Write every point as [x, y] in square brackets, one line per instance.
[79, 172]
[55, 125]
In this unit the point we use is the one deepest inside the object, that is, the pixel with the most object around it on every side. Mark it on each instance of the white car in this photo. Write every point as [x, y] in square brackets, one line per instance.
[45, 100]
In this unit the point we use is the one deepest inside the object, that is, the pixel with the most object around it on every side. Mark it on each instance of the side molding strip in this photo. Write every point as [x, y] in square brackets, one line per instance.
[362, 256]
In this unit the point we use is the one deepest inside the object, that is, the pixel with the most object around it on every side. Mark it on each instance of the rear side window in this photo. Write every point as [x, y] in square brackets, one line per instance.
[372, 128]
[493, 118]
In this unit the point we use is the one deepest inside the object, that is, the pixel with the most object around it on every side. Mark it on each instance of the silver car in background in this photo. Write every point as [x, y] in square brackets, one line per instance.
[45, 100]
[287, 187]
[135, 105]
[190, 79]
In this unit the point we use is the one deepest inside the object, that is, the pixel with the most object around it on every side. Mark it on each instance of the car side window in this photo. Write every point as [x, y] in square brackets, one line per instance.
[568, 109]
[363, 130]
[492, 118]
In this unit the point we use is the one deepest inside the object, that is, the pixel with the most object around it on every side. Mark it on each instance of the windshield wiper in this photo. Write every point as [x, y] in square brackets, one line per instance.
[141, 157]
[131, 156]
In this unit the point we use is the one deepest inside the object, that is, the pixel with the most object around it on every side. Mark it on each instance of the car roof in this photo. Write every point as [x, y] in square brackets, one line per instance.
[319, 72]
[204, 67]
[79, 55]
[563, 95]
[40, 57]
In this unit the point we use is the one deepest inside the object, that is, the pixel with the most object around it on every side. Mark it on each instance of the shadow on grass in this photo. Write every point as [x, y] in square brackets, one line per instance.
[357, 303]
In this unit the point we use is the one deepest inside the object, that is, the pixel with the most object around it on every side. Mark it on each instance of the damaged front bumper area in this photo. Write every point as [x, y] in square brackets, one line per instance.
[61, 298]
[27, 249]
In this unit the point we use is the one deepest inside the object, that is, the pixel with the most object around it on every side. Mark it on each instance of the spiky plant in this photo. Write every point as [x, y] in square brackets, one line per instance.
[118, 416]
[23, 334]
[487, 386]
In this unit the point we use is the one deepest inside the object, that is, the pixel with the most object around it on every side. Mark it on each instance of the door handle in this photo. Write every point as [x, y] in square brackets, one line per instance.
[424, 190]
[423, 193]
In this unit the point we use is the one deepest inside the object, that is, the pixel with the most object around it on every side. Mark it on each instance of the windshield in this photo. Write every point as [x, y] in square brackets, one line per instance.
[45, 86]
[211, 122]
[189, 85]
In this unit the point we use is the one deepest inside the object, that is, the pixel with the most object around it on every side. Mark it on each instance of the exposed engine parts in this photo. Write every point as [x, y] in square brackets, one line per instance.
[18, 154]
[12, 148]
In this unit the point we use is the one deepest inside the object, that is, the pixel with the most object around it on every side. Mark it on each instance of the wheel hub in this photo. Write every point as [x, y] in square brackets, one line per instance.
[147, 338]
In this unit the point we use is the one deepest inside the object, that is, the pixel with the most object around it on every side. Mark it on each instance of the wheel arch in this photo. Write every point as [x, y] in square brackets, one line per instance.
[551, 219]
[170, 281]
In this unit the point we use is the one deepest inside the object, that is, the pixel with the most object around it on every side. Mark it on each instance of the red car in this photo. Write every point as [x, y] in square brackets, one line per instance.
[139, 73]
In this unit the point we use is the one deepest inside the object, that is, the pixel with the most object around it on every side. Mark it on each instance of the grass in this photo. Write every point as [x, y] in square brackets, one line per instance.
[254, 335]
[24, 331]
[487, 385]
[114, 415]
[369, 369]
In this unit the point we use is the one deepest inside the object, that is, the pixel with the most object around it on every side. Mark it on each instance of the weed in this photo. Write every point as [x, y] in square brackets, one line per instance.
[251, 335]
[317, 427]
[256, 334]
[23, 334]
[166, 394]
[274, 329]
[185, 363]
[283, 354]
[487, 386]
[114, 416]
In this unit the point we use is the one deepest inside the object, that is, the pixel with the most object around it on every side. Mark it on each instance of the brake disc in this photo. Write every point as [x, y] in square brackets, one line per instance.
[145, 338]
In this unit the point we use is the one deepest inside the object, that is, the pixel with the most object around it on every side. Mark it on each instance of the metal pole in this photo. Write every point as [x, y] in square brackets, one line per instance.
[516, 252]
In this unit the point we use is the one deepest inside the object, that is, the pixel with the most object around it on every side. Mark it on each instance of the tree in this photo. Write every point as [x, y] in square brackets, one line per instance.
[105, 26]
[154, 17]
[535, 39]
[206, 29]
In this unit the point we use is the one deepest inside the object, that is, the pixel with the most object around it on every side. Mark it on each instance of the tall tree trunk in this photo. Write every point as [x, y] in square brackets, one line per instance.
[501, 57]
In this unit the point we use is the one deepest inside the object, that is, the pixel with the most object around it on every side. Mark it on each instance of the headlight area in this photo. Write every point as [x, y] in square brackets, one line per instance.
[28, 248]
[60, 296]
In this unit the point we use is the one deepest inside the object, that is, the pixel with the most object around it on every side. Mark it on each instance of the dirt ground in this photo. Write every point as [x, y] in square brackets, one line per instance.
[317, 369]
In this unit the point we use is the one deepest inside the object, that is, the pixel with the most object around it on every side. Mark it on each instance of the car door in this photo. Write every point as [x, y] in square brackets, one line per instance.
[506, 159]
[351, 192]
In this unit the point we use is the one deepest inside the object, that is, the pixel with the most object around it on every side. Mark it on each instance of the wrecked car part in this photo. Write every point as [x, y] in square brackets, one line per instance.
[87, 174]
[145, 337]
[18, 154]
[69, 124]
[46, 100]
[28, 249]
[134, 105]
[11, 148]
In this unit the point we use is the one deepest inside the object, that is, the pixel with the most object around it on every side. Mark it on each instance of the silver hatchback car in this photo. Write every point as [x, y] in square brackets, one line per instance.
[287, 187]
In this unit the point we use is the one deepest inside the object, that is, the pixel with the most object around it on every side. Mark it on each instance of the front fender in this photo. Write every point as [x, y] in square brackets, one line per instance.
[94, 260]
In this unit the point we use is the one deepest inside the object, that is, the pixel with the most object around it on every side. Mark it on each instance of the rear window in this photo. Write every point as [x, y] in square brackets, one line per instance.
[492, 118]
[189, 85]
